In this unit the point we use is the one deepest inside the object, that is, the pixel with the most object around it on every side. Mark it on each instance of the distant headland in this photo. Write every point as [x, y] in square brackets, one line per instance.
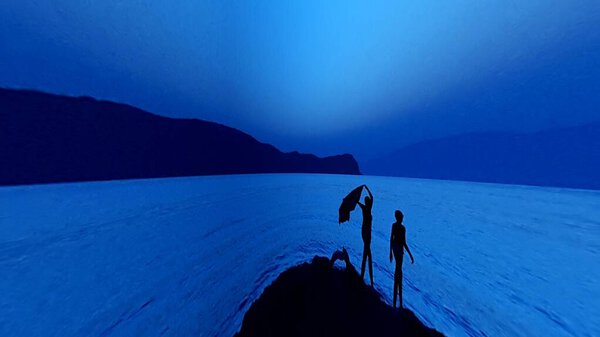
[50, 138]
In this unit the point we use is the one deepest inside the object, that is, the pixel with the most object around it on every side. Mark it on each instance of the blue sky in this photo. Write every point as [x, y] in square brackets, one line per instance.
[318, 76]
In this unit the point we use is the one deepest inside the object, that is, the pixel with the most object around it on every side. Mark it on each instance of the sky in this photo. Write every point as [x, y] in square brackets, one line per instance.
[319, 76]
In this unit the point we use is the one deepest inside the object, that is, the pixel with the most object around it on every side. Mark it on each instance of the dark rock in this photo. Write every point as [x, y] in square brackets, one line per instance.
[314, 299]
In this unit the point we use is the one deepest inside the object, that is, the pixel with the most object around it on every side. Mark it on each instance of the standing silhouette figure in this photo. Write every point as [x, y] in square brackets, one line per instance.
[397, 246]
[366, 234]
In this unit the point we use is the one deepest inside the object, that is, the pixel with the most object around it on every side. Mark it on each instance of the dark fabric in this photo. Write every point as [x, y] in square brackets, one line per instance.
[349, 204]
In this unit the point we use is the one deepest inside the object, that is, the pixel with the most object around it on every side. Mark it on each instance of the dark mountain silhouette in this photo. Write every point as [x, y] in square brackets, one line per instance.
[49, 138]
[314, 299]
[566, 157]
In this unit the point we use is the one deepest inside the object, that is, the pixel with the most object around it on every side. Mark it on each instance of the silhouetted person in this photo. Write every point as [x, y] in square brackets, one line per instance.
[341, 255]
[397, 246]
[366, 234]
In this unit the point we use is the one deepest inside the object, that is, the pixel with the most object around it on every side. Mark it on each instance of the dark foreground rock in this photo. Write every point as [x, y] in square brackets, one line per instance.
[314, 299]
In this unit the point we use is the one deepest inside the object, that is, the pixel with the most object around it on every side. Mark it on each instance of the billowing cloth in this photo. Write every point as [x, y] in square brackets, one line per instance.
[349, 204]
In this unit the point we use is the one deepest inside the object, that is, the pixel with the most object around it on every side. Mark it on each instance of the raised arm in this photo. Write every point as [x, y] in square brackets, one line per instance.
[369, 191]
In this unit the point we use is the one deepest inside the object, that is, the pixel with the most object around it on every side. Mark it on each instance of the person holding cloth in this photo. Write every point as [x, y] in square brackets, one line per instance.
[367, 223]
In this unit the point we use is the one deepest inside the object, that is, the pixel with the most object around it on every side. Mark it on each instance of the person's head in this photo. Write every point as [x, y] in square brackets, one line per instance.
[399, 216]
[368, 200]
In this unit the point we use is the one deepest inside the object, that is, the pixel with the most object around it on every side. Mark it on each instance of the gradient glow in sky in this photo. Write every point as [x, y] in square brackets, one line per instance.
[318, 76]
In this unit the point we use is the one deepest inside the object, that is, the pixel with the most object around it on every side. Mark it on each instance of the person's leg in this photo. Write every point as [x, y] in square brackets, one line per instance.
[400, 288]
[370, 256]
[364, 260]
[398, 257]
[395, 289]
